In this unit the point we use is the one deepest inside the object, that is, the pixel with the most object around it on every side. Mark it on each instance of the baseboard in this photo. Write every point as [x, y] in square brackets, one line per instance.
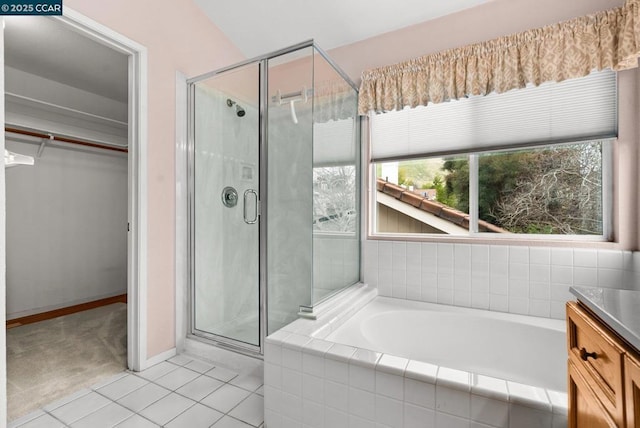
[43, 316]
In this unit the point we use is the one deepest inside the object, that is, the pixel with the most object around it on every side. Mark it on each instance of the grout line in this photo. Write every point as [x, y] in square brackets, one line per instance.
[181, 413]
[135, 414]
[242, 401]
[127, 394]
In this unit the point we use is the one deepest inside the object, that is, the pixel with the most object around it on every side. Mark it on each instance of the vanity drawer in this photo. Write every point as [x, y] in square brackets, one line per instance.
[599, 356]
[585, 408]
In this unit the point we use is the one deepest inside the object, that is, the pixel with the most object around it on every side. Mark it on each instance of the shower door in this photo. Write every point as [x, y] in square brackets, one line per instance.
[224, 203]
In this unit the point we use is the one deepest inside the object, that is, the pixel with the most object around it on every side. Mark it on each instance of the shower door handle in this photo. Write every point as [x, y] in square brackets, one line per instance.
[255, 214]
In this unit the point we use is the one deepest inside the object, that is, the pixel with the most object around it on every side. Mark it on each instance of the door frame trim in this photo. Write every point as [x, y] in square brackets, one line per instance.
[182, 215]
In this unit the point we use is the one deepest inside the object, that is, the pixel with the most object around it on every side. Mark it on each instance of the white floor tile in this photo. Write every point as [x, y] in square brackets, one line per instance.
[199, 366]
[157, 371]
[167, 408]
[200, 387]
[250, 383]
[143, 397]
[221, 374]
[80, 407]
[123, 386]
[26, 418]
[106, 417]
[44, 421]
[65, 400]
[109, 380]
[229, 422]
[115, 401]
[137, 421]
[225, 398]
[198, 416]
[177, 378]
[180, 360]
[250, 410]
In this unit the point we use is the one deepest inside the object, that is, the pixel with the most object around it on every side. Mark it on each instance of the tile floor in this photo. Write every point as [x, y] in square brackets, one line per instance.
[182, 392]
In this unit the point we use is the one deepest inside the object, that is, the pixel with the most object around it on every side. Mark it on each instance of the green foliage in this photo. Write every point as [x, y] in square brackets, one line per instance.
[456, 193]
[419, 172]
[498, 175]
[439, 185]
[554, 190]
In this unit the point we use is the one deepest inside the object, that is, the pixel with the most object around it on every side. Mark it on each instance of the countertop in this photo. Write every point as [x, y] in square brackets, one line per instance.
[620, 309]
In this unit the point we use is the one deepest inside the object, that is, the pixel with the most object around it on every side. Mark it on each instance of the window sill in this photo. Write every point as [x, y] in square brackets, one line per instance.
[514, 240]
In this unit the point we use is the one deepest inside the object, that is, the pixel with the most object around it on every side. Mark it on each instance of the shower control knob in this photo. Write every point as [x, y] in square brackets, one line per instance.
[586, 355]
[229, 197]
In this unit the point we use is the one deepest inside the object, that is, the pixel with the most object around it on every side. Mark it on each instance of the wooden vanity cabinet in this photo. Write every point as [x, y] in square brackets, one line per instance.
[585, 409]
[632, 390]
[604, 374]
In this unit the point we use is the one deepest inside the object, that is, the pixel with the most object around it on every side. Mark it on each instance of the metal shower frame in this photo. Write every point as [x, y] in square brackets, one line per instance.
[262, 60]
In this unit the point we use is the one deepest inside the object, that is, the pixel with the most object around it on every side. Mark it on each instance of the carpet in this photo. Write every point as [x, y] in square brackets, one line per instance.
[51, 359]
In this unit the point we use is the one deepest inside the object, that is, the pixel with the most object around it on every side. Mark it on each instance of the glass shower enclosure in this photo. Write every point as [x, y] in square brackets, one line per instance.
[274, 202]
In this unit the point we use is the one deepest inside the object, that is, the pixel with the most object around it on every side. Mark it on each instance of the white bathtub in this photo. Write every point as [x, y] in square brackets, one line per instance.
[517, 348]
[374, 361]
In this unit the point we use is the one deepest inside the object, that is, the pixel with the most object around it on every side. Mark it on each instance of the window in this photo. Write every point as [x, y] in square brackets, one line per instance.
[334, 199]
[551, 190]
[533, 162]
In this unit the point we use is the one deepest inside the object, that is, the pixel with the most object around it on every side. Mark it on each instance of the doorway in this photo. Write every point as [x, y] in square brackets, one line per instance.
[103, 139]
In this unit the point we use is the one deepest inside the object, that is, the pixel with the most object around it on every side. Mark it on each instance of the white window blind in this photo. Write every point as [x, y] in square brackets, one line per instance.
[572, 110]
[334, 142]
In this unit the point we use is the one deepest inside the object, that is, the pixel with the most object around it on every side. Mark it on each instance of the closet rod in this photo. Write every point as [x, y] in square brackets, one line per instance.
[64, 139]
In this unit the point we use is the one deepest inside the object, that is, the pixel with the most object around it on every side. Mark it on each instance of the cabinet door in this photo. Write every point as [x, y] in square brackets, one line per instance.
[632, 391]
[599, 356]
[585, 409]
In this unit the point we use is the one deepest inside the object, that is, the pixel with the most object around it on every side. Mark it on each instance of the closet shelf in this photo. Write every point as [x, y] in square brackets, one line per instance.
[27, 113]
[12, 159]
[34, 103]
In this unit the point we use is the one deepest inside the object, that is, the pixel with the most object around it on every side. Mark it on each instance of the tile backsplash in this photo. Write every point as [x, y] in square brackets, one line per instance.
[523, 280]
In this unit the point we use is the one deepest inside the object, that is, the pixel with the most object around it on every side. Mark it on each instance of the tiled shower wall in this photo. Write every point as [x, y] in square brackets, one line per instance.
[335, 263]
[516, 279]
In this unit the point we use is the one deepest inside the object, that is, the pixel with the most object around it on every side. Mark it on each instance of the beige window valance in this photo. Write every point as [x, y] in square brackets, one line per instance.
[608, 39]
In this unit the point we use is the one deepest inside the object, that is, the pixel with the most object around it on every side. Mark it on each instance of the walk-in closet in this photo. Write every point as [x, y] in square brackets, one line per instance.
[66, 113]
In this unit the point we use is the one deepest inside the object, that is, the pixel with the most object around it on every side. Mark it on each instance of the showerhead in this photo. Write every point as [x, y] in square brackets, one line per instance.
[239, 110]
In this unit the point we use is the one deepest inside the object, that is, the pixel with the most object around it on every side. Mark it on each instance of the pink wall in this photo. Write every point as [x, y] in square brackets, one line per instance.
[179, 37]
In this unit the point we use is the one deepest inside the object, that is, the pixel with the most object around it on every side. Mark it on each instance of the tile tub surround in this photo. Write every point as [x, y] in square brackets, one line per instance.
[311, 382]
[517, 279]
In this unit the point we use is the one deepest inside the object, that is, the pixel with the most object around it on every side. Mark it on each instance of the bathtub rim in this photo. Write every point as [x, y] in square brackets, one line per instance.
[550, 323]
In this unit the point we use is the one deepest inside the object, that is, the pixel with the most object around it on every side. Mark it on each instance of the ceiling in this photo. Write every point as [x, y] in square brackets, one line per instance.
[73, 59]
[257, 27]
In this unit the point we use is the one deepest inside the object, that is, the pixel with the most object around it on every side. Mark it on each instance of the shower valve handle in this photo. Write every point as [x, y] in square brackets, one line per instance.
[229, 197]
[247, 193]
[586, 355]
